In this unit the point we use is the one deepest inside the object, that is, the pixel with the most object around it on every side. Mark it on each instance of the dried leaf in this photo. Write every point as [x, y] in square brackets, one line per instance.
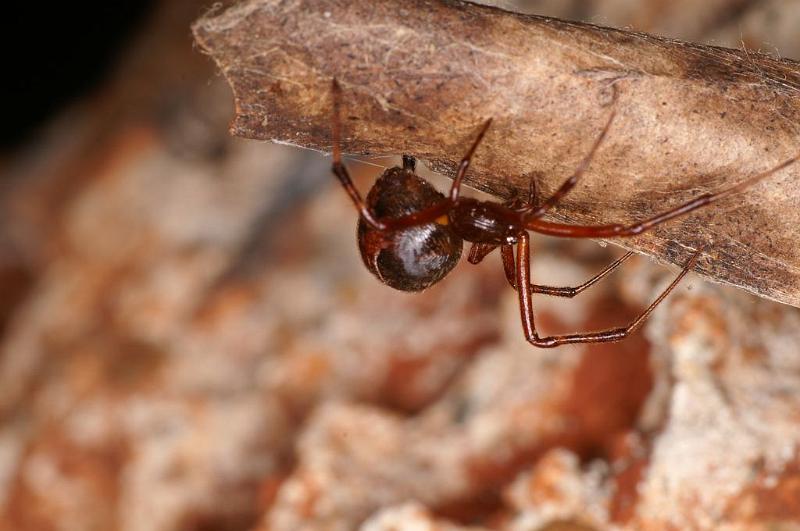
[419, 76]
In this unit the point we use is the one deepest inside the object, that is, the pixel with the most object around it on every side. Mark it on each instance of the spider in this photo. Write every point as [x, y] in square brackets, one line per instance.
[410, 235]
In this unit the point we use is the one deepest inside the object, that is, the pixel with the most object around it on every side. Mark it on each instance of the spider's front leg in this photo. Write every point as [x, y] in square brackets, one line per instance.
[523, 278]
[619, 229]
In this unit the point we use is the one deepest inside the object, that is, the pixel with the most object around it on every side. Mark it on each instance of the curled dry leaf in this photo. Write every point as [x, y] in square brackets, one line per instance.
[419, 76]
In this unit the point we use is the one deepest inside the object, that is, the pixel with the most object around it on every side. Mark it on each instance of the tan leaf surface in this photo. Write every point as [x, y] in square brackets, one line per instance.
[419, 76]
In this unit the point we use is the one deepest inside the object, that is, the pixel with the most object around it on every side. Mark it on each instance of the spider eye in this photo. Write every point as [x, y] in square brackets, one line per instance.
[410, 259]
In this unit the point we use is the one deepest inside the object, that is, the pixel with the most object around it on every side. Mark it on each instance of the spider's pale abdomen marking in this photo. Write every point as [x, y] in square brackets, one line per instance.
[416, 257]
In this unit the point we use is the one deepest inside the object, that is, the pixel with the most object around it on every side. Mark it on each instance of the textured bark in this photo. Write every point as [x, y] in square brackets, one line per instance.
[420, 75]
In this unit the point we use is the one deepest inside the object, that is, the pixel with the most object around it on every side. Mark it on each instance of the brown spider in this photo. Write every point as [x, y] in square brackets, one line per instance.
[411, 235]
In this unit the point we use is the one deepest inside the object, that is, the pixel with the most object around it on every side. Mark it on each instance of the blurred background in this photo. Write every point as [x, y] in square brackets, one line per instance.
[189, 341]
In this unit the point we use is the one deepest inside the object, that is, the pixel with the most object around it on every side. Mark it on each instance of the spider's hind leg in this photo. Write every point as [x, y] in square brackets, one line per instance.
[522, 277]
[507, 254]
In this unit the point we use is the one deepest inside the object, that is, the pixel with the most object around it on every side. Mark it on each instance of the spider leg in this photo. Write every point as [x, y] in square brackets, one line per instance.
[569, 292]
[507, 256]
[462, 167]
[479, 251]
[434, 212]
[523, 275]
[338, 167]
[570, 183]
[618, 229]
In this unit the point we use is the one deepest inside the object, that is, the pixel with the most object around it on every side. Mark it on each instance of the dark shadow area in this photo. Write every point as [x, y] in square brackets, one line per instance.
[56, 52]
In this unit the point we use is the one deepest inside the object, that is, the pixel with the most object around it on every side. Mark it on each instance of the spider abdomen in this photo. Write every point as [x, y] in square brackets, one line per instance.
[413, 258]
